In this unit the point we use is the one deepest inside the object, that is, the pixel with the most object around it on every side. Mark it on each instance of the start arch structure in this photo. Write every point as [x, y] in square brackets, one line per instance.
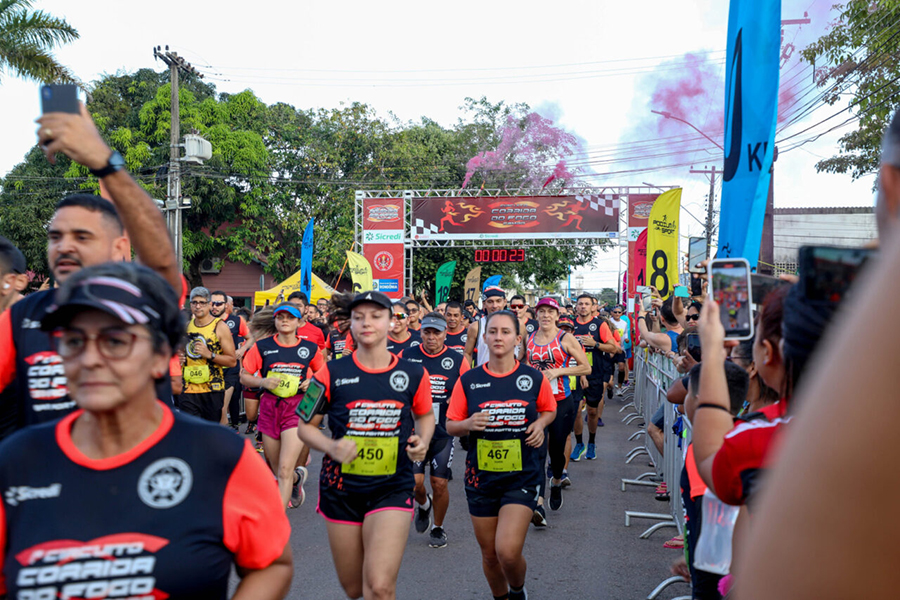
[390, 225]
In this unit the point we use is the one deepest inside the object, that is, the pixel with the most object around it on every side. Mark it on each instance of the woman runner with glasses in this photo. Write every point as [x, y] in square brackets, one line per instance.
[504, 407]
[172, 502]
[401, 336]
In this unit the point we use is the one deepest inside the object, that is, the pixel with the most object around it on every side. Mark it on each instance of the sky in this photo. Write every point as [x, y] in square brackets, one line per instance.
[596, 67]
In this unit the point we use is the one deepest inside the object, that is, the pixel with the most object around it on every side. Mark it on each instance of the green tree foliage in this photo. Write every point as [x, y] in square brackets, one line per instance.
[27, 40]
[273, 168]
[860, 56]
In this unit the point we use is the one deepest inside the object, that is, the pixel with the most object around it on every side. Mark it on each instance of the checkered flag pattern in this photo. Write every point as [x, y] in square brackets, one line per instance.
[605, 202]
[419, 228]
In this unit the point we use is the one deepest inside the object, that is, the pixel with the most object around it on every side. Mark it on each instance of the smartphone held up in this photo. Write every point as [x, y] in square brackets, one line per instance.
[730, 288]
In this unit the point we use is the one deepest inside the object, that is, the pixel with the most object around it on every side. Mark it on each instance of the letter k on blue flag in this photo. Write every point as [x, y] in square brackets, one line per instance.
[751, 111]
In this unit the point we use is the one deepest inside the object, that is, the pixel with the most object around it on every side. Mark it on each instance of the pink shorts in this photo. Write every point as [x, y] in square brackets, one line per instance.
[277, 414]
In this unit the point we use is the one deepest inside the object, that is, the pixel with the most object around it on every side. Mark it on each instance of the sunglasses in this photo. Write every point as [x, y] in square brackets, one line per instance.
[217, 303]
[517, 306]
[199, 302]
[692, 317]
[399, 316]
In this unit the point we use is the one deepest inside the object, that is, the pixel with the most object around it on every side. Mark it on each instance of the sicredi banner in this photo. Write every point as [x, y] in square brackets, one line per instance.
[516, 217]
[383, 225]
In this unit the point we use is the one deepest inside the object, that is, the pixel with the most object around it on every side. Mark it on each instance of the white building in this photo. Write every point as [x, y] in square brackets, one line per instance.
[795, 227]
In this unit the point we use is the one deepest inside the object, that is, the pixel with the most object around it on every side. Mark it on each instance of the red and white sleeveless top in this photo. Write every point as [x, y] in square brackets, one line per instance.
[550, 356]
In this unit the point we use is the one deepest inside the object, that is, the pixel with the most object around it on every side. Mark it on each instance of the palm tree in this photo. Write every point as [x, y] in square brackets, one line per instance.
[26, 40]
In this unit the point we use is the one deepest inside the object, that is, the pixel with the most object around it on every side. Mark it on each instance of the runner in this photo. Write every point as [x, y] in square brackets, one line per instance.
[456, 327]
[596, 338]
[623, 324]
[209, 351]
[528, 324]
[222, 307]
[549, 350]
[306, 330]
[476, 351]
[567, 324]
[281, 365]
[84, 230]
[262, 325]
[413, 309]
[444, 367]
[133, 499]
[366, 483]
[338, 343]
[503, 406]
[401, 337]
[13, 272]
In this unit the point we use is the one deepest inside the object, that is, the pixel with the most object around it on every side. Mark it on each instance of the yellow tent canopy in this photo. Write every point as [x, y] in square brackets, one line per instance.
[319, 289]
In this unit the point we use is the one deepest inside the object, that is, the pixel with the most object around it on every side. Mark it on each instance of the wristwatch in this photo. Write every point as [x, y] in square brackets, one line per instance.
[115, 163]
[212, 356]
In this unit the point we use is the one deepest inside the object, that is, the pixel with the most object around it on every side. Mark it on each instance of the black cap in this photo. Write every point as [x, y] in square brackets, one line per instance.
[117, 297]
[374, 297]
[13, 256]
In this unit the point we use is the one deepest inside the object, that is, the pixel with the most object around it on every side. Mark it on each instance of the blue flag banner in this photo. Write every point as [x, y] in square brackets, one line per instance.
[492, 281]
[751, 110]
[306, 253]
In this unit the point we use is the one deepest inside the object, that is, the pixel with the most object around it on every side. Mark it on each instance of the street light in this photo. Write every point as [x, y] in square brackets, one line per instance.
[702, 224]
[669, 115]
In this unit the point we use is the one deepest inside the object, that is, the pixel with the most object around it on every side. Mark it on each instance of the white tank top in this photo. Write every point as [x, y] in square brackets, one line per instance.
[483, 354]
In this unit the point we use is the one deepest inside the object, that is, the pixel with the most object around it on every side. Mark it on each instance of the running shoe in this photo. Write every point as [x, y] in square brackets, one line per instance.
[437, 538]
[591, 453]
[578, 452]
[251, 429]
[600, 423]
[234, 428]
[556, 500]
[565, 481]
[549, 472]
[609, 393]
[539, 518]
[298, 494]
[423, 517]
[523, 595]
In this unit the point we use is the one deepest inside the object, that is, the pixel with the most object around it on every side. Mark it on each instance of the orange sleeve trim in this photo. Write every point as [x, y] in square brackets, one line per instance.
[458, 409]
[243, 330]
[464, 366]
[422, 399]
[7, 351]
[175, 367]
[64, 439]
[316, 363]
[546, 402]
[252, 360]
[605, 335]
[256, 529]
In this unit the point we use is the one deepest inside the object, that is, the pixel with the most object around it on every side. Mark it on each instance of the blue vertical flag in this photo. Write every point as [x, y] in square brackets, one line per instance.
[751, 110]
[306, 253]
[492, 281]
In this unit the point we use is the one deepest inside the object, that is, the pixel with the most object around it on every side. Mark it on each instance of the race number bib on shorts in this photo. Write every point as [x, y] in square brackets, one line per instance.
[499, 456]
[288, 386]
[196, 373]
[374, 456]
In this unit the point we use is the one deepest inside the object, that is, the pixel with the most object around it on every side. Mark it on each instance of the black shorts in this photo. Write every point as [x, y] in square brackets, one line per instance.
[593, 394]
[232, 376]
[440, 457]
[619, 358]
[351, 508]
[488, 504]
[207, 406]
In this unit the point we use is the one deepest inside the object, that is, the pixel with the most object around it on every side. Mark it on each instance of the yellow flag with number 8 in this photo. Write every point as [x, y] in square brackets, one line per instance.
[662, 243]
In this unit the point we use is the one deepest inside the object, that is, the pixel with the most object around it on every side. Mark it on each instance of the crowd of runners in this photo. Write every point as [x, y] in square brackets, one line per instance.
[105, 378]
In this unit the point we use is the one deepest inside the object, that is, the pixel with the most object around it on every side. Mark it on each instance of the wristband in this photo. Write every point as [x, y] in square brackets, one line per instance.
[710, 405]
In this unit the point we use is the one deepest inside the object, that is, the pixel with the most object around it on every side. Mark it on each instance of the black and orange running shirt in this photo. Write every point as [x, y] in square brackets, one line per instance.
[376, 409]
[166, 519]
[444, 370]
[498, 458]
[292, 364]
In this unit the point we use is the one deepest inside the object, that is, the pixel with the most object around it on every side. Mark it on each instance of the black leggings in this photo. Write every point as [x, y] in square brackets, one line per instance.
[558, 432]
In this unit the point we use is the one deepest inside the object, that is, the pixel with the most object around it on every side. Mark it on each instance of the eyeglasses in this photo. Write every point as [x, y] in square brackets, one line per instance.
[399, 316]
[413, 310]
[692, 317]
[113, 344]
[215, 303]
[517, 306]
[199, 302]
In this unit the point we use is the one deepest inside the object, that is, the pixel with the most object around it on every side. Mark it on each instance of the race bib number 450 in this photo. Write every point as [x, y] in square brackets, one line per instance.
[499, 456]
[374, 456]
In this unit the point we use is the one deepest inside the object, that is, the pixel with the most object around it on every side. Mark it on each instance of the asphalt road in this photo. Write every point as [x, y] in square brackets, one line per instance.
[585, 553]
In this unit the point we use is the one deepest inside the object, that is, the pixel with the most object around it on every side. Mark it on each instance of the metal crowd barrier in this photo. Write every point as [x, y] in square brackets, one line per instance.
[654, 375]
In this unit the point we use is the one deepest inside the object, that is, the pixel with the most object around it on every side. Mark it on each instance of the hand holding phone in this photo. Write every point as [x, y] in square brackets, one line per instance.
[730, 288]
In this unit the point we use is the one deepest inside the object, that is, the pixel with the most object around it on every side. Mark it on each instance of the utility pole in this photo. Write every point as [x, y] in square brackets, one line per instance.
[709, 206]
[174, 205]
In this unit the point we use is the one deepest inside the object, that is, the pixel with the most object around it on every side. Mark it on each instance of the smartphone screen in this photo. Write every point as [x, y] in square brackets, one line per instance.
[696, 253]
[59, 97]
[681, 291]
[311, 402]
[693, 346]
[827, 273]
[731, 290]
[696, 285]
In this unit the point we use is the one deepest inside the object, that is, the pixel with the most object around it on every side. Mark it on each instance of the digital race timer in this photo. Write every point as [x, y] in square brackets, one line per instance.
[494, 255]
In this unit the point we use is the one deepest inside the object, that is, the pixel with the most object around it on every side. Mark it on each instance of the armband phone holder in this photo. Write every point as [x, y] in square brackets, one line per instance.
[312, 402]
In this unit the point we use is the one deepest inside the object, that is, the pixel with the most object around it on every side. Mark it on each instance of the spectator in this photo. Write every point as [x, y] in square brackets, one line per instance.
[12, 272]
[665, 342]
